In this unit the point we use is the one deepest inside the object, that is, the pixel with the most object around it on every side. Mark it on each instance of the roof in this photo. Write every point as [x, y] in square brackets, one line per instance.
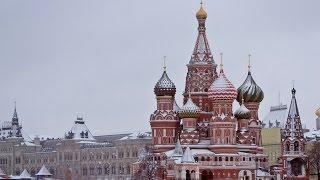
[79, 131]
[222, 88]
[189, 108]
[138, 135]
[43, 171]
[187, 156]
[164, 86]
[312, 135]
[178, 149]
[277, 116]
[24, 174]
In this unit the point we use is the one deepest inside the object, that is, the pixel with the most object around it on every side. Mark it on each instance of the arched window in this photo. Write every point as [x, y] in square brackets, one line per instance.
[84, 171]
[227, 159]
[231, 158]
[99, 170]
[220, 158]
[188, 175]
[106, 169]
[296, 146]
[91, 170]
[287, 146]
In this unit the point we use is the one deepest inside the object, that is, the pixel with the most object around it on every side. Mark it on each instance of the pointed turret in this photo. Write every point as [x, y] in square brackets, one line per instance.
[178, 149]
[294, 144]
[187, 156]
[201, 53]
[293, 126]
[165, 87]
[15, 119]
[293, 110]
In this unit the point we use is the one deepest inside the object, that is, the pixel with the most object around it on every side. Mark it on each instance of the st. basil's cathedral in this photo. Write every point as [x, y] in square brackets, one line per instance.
[205, 138]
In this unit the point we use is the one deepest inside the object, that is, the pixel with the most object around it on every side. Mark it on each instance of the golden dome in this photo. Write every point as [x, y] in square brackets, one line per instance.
[201, 14]
[318, 112]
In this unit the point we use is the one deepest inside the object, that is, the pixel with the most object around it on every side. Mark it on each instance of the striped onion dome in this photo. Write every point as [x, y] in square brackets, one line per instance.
[242, 112]
[222, 88]
[189, 110]
[250, 91]
[165, 86]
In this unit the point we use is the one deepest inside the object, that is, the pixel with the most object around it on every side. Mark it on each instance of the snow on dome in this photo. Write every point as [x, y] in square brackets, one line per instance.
[24, 174]
[187, 156]
[43, 171]
[79, 131]
[189, 109]
[242, 112]
[222, 88]
[250, 91]
[165, 86]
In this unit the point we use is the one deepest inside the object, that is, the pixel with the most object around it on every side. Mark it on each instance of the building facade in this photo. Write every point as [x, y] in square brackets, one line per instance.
[205, 138]
[78, 155]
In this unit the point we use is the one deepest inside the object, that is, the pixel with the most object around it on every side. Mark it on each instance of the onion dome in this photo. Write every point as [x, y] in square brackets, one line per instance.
[222, 88]
[189, 110]
[165, 86]
[250, 91]
[201, 14]
[318, 113]
[242, 112]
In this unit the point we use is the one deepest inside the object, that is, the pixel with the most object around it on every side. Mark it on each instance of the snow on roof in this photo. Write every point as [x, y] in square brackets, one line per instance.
[178, 149]
[187, 156]
[79, 131]
[25, 174]
[312, 135]
[261, 173]
[43, 171]
[28, 143]
[137, 135]
[189, 107]
[276, 114]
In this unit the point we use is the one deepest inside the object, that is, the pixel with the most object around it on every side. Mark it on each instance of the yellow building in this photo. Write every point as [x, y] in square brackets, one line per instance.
[271, 142]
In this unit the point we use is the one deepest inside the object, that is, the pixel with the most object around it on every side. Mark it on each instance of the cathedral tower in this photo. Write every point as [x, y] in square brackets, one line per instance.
[252, 95]
[201, 67]
[164, 121]
[294, 158]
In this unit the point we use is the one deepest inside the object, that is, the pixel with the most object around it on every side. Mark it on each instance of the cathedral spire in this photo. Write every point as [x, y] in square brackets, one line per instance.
[201, 53]
[15, 114]
[293, 111]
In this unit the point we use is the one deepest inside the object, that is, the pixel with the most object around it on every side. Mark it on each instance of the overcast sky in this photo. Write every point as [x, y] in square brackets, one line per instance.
[101, 59]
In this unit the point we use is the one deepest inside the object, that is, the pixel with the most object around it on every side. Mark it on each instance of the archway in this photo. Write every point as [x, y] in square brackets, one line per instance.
[188, 175]
[204, 175]
[297, 166]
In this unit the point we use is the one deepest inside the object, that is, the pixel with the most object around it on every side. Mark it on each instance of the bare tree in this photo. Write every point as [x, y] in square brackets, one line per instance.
[148, 165]
[314, 158]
